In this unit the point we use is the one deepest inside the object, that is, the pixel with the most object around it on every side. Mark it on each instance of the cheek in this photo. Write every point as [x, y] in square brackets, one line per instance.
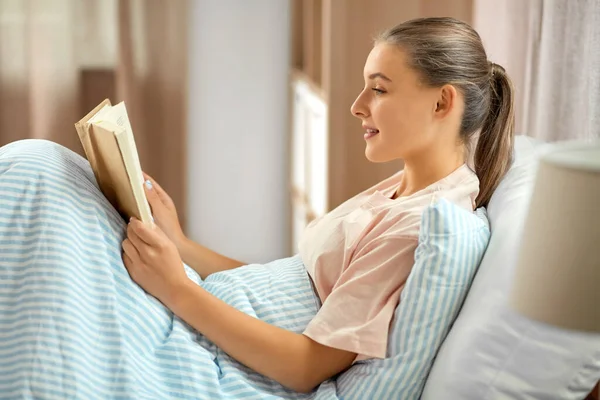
[402, 124]
[409, 118]
[392, 118]
[397, 119]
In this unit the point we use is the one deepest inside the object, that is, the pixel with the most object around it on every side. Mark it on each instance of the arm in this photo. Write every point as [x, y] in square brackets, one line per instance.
[291, 359]
[203, 260]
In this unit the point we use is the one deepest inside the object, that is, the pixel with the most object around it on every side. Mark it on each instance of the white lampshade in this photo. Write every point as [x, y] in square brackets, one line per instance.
[557, 279]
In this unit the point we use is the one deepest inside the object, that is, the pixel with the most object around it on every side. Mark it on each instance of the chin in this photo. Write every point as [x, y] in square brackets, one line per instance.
[377, 155]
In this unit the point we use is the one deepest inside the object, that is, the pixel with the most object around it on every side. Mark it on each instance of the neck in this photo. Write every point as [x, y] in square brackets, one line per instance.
[424, 170]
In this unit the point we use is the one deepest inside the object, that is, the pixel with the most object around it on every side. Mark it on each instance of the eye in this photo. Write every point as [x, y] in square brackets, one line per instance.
[378, 91]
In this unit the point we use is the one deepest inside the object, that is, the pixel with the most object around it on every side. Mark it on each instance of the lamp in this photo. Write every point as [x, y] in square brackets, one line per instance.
[557, 280]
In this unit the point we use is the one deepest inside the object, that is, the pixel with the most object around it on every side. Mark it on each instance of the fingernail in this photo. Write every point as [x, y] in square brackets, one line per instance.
[149, 184]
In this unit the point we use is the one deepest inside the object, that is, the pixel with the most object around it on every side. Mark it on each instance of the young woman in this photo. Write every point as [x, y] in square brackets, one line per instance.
[429, 90]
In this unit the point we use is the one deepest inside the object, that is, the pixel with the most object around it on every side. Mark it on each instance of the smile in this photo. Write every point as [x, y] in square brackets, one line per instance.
[370, 133]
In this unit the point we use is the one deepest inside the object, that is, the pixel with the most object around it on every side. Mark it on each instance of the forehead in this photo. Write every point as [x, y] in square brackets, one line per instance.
[387, 59]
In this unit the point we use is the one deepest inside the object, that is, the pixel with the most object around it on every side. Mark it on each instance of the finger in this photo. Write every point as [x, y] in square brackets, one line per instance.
[129, 266]
[150, 184]
[127, 261]
[153, 198]
[130, 251]
[135, 239]
[149, 234]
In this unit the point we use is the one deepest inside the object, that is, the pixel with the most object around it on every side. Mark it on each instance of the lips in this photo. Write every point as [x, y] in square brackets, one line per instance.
[370, 132]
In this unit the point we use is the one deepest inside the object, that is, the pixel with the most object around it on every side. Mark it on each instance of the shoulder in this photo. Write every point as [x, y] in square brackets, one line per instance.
[461, 187]
[403, 216]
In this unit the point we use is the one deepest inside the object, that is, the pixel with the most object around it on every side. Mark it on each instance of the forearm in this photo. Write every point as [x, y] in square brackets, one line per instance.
[203, 260]
[291, 359]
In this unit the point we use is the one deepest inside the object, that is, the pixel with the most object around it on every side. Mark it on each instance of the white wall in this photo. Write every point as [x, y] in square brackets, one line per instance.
[238, 127]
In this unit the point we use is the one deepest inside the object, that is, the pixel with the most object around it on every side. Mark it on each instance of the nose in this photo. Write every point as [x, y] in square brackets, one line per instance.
[359, 109]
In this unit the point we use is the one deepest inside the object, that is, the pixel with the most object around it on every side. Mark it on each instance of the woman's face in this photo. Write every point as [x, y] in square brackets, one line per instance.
[396, 109]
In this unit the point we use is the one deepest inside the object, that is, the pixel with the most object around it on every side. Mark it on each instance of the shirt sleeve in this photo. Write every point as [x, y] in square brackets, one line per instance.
[356, 315]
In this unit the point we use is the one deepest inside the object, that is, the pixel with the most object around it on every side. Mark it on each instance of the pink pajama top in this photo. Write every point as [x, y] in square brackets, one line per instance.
[360, 254]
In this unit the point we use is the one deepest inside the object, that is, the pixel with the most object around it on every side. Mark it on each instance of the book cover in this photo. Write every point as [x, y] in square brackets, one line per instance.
[107, 139]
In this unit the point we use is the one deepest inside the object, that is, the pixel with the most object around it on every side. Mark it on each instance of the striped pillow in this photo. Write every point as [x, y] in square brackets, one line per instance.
[451, 244]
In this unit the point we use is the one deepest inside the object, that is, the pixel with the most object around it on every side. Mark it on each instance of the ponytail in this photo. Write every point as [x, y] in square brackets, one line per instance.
[493, 155]
[448, 51]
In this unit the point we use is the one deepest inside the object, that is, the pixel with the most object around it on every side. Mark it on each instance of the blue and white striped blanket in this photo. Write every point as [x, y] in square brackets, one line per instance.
[74, 325]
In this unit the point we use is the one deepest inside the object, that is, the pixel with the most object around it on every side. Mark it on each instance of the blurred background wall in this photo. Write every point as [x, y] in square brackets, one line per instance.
[240, 108]
[60, 58]
[237, 143]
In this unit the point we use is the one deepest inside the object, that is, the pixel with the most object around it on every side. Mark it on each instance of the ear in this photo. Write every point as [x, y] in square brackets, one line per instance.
[447, 101]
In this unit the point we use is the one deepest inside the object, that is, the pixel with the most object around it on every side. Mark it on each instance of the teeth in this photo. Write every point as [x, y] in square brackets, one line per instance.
[372, 130]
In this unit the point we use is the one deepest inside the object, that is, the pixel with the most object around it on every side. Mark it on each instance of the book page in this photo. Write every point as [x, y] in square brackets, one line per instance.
[134, 169]
[100, 115]
[118, 115]
[124, 173]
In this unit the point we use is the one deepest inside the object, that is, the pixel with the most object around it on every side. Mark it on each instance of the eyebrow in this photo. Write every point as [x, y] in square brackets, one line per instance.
[379, 75]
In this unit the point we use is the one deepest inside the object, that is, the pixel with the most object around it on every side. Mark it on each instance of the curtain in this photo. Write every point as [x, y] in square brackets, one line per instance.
[38, 71]
[565, 73]
[60, 58]
[152, 79]
[551, 50]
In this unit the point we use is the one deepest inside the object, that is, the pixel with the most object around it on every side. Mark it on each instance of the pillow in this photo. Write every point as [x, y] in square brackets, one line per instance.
[492, 352]
[451, 244]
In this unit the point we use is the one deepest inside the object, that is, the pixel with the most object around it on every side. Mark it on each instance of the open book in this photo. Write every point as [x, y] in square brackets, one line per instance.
[107, 139]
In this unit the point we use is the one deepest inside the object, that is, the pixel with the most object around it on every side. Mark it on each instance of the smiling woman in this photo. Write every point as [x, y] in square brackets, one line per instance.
[395, 107]
[421, 103]
[424, 81]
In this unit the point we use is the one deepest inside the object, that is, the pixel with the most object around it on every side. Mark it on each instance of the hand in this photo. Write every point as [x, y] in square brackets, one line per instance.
[164, 211]
[153, 261]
